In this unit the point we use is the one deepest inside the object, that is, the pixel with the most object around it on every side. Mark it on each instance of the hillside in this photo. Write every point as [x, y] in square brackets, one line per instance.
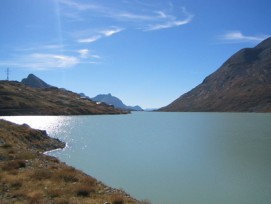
[19, 99]
[241, 84]
[116, 102]
[29, 176]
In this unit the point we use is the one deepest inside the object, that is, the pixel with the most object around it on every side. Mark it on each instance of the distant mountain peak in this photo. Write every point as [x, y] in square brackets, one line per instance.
[116, 102]
[35, 82]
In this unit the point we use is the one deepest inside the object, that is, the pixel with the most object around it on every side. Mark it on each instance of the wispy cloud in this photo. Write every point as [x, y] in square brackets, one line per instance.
[111, 32]
[156, 19]
[53, 61]
[99, 34]
[137, 16]
[169, 21]
[134, 16]
[76, 11]
[238, 36]
[89, 39]
[79, 6]
[95, 56]
[41, 47]
[40, 61]
[83, 53]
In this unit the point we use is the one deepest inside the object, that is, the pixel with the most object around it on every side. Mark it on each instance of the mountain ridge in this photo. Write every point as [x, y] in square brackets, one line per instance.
[241, 84]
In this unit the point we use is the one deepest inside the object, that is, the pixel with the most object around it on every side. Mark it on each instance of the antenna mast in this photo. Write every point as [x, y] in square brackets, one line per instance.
[7, 74]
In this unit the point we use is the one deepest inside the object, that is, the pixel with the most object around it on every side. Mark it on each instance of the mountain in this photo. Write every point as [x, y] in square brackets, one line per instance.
[19, 99]
[116, 102]
[241, 84]
[35, 82]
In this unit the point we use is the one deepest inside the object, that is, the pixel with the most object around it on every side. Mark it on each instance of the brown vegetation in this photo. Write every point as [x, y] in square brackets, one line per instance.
[19, 99]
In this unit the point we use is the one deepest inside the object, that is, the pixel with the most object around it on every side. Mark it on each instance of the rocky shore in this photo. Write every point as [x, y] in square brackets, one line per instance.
[29, 176]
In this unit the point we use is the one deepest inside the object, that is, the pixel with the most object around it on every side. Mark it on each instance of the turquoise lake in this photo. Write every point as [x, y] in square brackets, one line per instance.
[170, 158]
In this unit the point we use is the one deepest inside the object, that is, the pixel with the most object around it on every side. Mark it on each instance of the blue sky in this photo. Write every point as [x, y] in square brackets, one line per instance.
[147, 53]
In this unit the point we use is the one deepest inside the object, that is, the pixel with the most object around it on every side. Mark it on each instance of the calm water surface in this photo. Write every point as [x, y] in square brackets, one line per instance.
[174, 158]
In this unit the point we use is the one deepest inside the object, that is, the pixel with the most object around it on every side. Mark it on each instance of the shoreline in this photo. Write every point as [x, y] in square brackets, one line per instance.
[29, 175]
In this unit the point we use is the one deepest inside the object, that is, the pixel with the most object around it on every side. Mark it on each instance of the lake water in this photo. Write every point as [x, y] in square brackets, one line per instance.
[173, 158]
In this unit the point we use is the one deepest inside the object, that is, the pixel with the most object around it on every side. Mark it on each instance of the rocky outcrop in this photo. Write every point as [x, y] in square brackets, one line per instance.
[241, 84]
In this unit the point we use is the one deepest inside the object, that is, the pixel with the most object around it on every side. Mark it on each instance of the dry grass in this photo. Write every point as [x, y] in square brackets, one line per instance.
[12, 181]
[54, 193]
[40, 174]
[62, 201]
[26, 155]
[67, 175]
[35, 197]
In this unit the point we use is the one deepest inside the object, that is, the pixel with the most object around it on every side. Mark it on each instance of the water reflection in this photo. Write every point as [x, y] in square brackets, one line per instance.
[54, 125]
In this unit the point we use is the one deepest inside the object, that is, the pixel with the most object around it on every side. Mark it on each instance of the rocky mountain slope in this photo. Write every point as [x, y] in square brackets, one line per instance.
[116, 102]
[35, 82]
[19, 99]
[241, 84]
[29, 176]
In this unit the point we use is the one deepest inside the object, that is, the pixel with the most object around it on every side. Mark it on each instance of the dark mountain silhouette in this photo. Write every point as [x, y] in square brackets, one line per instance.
[116, 102]
[241, 84]
[35, 82]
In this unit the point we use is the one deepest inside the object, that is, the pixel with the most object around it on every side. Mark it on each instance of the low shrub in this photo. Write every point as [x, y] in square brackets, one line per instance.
[68, 175]
[16, 184]
[26, 155]
[19, 194]
[12, 181]
[88, 181]
[84, 190]
[53, 193]
[14, 164]
[35, 197]
[6, 146]
[117, 199]
[41, 174]
[62, 201]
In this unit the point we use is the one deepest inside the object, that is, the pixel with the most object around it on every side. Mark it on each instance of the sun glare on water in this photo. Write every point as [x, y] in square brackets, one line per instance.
[52, 124]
